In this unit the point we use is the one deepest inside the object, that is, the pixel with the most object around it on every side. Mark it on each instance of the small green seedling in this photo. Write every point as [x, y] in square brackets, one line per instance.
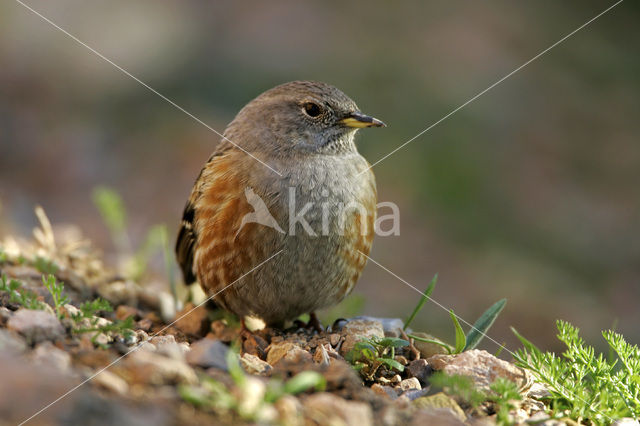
[22, 296]
[213, 395]
[45, 266]
[370, 355]
[56, 289]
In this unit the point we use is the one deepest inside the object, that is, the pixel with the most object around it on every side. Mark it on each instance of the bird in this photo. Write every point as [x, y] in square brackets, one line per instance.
[289, 153]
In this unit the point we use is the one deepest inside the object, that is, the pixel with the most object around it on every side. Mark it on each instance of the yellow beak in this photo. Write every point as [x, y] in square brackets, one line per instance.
[359, 120]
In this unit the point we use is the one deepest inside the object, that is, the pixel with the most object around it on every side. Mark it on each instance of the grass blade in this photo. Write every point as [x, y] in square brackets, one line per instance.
[461, 340]
[483, 324]
[422, 301]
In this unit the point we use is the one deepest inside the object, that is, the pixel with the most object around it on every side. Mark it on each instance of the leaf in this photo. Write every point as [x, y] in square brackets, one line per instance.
[392, 342]
[460, 337]
[434, 341]
[483, 324]
[392, 363]
[304, 381]
[422, 301]
[526, 343]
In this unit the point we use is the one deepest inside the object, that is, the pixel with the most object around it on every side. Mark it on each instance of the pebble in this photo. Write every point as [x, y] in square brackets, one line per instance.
[50, 356]
[334, 339]
[112, 382]
[420, 369]
[392, 327]
[387, 391]
[440, 400]
[5, 314]
[35, 326]
[287, 351]
[11, 342]
[410, 384]
[254, 365]
[326, 408]
[193, 321]
[208, 353]
[356, 330]
[153, 368]
[482, 367]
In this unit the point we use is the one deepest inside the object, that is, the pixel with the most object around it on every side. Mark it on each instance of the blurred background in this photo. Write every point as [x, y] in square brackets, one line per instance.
[530, 193]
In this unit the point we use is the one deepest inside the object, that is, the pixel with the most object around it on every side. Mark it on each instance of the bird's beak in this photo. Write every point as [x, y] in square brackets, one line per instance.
[359, 120]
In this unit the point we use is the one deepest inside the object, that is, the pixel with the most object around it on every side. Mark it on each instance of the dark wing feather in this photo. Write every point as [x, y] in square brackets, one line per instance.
[185, 244]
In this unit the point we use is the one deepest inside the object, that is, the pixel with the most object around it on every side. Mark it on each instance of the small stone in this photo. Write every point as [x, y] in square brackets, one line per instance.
[412, 394]
[329, 409]
[321, 356]
[437, 416]
[142, 335]
[144, 324]
[152, 368]
[440, 400]
[111, 382]
[208, 353]
[36, 326]
[50, 356]
[161, 340]
[174, 350]
[482, 367]
[252, 396]
[287, 351]
[102, 339]
[392, 327]
[124, 311]
[193, 321]
[146, 346]
[289, 410]
[5, 314]
[410, 384]
[11, 342]
[254, 365]
[386, 391]
[395, 380]
[71, 310]
[334, 339]
[356, 330]
[625, 421]
[426, 349]
[420, 369]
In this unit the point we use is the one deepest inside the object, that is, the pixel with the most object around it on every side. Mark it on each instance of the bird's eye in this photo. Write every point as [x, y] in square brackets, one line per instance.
[312, 109]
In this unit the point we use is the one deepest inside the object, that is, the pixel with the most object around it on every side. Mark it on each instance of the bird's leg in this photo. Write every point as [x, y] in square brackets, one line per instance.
[314, 323]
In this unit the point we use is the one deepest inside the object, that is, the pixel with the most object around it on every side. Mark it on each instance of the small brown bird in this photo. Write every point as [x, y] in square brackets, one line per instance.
[314, 205]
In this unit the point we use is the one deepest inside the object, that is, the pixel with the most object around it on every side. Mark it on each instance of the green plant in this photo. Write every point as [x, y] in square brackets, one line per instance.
[462, 343]
[249, 398]
[18, 294]
[89, 310]
[589, 388]
[55, 289]
[92, 308]
[369, 355]
[501, 394]
[45, 266]
[425, 295]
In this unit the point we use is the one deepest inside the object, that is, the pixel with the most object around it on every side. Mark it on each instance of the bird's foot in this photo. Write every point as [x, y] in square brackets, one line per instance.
[314, 323]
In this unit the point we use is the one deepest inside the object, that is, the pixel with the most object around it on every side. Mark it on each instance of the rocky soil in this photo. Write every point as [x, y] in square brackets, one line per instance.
[75, 361]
